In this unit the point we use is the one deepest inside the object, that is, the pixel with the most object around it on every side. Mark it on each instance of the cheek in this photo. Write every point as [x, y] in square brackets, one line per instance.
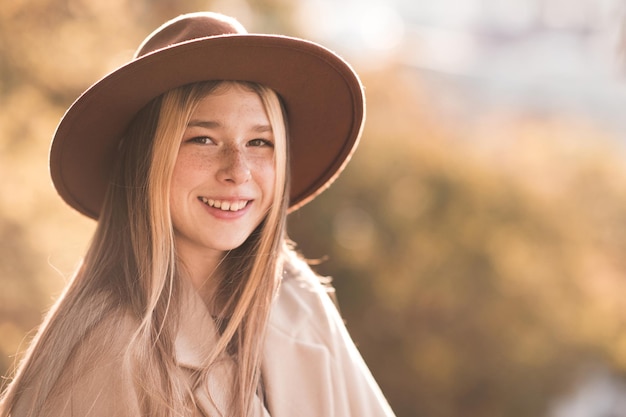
[177, 187]
[187, 170]
[266, 176]
[178, 179]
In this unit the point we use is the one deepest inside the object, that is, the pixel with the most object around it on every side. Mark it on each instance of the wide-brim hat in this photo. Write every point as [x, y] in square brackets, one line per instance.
[322, 95]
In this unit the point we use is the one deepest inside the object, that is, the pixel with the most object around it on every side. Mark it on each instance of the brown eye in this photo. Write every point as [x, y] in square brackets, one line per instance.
[202, 140]
[261, 142]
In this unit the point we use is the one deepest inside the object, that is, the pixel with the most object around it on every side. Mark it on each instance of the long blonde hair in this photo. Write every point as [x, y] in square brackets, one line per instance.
[131, 265]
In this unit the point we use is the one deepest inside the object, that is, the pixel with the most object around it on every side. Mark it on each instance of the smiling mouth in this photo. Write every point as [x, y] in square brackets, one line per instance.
[225, 205]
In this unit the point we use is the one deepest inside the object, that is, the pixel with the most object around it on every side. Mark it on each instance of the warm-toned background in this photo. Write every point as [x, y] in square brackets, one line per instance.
[477, 239]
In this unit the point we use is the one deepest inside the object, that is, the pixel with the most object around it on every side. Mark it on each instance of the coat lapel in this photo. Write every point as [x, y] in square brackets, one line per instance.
[197, 333]
[196, 338]
[296, 360]
[310, 365]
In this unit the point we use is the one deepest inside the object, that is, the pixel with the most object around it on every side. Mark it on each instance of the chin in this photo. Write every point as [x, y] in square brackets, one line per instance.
[233, 244]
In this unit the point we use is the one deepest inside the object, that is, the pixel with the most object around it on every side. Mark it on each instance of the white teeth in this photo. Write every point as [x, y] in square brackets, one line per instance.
[225, 205]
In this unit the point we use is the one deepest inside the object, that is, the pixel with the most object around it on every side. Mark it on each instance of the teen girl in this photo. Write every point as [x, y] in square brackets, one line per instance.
[190, 301]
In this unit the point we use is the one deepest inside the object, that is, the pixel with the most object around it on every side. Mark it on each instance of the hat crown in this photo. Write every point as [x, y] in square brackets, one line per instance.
[189, 27]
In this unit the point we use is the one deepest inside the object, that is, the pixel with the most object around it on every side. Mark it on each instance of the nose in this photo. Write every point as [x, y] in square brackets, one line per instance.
[233, 166]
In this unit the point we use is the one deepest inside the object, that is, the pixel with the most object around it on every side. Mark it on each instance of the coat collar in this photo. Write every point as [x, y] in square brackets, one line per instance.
[196, 338]
[197, 332]
[308, 356]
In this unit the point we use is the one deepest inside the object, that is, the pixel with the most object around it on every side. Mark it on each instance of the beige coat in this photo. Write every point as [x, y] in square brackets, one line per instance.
[310, 367]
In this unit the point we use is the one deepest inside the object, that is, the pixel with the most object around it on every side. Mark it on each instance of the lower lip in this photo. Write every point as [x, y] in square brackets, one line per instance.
[227, 214]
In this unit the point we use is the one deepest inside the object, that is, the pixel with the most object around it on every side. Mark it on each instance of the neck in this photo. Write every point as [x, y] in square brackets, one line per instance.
[201, 268]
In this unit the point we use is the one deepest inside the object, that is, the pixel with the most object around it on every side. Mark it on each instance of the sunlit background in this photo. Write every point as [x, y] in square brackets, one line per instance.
[477, 239]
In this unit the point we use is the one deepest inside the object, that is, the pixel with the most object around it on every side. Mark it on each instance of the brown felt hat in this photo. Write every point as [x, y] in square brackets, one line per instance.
[322, 94]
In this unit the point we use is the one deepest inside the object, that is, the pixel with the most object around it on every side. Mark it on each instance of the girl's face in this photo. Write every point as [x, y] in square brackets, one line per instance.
[223, 180]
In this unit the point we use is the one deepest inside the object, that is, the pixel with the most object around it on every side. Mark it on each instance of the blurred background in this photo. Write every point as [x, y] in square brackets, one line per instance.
[477, 239]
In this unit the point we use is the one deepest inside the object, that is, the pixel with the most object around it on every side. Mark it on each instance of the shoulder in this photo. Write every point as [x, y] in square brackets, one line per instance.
[304, 306]
[107, 342]
[307, 337]
[97, 378]
[79, 365]
[301, 283]
[102, 355]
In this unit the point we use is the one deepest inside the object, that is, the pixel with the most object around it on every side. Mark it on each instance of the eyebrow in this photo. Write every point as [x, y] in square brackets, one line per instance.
[209, 124]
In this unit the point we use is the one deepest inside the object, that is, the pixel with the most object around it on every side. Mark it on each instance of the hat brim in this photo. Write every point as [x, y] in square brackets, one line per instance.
[322, 94]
